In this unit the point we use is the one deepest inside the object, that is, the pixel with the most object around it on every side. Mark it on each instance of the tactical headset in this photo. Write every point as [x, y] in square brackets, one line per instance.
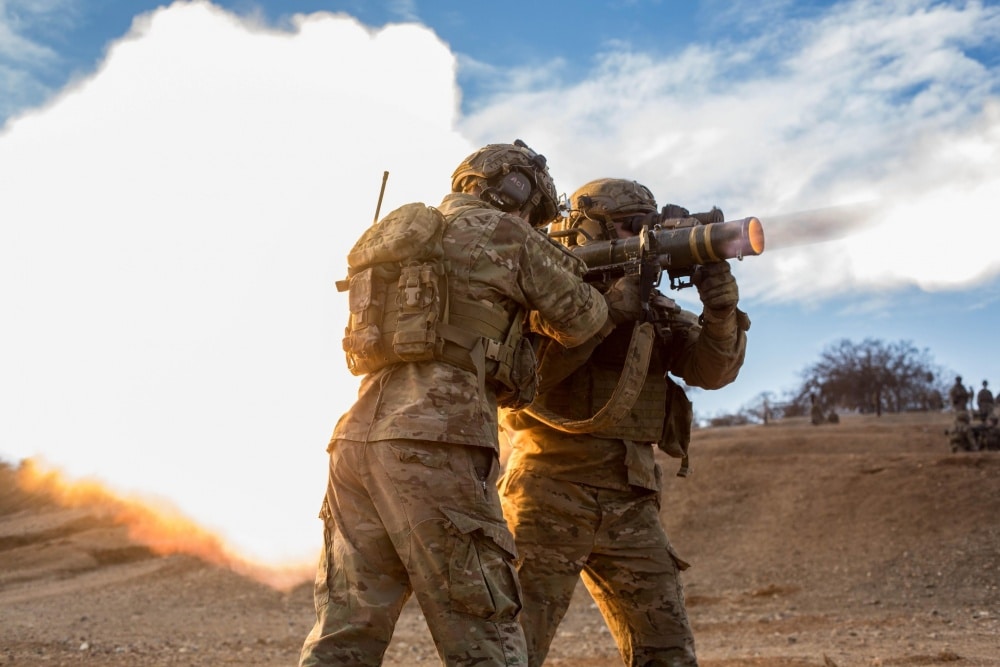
[518, 187]
[511, 192]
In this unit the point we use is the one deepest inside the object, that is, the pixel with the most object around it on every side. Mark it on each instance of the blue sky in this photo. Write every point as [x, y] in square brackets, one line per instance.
[179, 184]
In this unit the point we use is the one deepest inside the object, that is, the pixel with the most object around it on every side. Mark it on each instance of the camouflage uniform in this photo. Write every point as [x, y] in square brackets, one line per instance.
[964, 436]
[587, 505]
[411, 504]
[984, 402]
[990, 438]
[816, 413]
[959, 395]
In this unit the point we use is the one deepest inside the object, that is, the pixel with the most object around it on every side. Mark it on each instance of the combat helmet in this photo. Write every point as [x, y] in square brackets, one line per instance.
[596, 205]
[512, 178]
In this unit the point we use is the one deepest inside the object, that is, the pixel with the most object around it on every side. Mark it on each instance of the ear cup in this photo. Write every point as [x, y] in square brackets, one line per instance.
[510, 193]
[516, 187]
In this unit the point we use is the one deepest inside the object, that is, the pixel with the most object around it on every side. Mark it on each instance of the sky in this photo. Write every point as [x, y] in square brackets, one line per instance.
[180, 184]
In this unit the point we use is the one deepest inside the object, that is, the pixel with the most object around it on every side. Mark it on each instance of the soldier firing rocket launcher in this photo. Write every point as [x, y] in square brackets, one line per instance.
[677, 245]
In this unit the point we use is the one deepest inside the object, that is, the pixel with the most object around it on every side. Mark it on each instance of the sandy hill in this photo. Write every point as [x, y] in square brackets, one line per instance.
[862, 543]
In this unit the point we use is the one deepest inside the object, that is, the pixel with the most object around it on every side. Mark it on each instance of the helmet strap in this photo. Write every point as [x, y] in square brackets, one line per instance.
[597, 227]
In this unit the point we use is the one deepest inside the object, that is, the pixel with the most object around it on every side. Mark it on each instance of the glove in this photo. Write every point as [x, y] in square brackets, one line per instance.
[717, 289]
[623, 300]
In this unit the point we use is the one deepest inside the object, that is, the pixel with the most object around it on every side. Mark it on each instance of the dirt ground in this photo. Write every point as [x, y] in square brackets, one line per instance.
[861, 543]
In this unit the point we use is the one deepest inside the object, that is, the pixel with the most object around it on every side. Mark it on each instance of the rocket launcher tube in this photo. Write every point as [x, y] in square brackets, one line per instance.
[678, 250]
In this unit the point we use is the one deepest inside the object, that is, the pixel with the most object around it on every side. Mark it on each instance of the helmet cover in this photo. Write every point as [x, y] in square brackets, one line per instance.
[597, 203]
[495, 161]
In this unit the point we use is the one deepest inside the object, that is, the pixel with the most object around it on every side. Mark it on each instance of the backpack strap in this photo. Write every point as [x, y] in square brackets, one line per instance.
[630, 382]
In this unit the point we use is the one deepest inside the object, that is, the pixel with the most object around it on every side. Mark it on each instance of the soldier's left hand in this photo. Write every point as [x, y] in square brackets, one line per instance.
[716, 287]
[624, 302]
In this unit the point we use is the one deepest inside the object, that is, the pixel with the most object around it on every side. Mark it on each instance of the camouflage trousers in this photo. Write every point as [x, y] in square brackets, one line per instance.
[406, 517]
[615, 542]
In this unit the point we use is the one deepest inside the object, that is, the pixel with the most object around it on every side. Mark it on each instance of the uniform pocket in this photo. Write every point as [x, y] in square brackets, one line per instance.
[321, 587]
[678, 561]
[430, 455]
[481, 571]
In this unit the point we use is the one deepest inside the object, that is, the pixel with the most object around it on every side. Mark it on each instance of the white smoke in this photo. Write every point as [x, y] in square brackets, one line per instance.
[172, 229]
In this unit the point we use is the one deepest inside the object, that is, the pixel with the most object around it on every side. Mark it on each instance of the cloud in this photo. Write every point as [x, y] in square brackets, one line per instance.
[869, 102]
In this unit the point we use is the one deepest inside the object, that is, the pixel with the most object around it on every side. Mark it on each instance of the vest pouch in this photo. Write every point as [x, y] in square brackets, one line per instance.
[518, 379]
[363, 337]
[677, 426]
[418, 297]
[516, 371]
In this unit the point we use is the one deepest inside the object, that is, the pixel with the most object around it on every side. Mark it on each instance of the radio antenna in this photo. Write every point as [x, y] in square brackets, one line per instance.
[378, 207]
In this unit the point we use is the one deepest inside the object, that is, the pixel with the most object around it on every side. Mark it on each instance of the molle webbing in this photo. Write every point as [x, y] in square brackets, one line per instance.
[644, 423]
[463, 325]
[404, 308]
[468, 323]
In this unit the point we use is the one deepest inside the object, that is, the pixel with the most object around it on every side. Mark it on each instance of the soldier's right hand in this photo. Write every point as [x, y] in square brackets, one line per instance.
[717, 288]
[623, 300]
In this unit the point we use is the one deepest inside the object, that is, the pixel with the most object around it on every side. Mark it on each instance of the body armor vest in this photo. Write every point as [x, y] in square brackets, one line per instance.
[589, 388]
[409, 310]
[661, 412]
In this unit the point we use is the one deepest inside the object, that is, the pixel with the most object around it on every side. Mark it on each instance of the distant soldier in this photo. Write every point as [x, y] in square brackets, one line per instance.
[963, 434]
[990, 438]
[984, 402]
[959, 395]
[816, 413]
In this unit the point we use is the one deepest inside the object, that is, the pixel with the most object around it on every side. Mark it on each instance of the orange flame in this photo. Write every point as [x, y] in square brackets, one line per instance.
[163, 529]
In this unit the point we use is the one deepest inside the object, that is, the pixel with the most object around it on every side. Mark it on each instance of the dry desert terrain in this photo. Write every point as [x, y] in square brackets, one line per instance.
[861, 543]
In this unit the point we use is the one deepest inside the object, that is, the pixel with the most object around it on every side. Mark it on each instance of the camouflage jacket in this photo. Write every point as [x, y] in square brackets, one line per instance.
[984, 400]
[959, 396]
[498, 259]
[623, 457]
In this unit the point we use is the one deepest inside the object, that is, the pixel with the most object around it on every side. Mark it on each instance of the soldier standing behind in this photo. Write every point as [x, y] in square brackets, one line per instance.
[816, 411]
[411, 505]
[959, 396]
[587, 503]
[984, 402]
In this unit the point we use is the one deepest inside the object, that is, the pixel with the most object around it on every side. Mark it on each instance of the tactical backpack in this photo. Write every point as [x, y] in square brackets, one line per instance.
[401, 310]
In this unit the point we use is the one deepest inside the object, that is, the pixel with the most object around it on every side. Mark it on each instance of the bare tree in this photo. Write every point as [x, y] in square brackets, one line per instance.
[871, 376]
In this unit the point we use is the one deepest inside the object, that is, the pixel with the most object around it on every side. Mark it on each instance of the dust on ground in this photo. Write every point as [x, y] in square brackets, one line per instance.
[861, 543]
